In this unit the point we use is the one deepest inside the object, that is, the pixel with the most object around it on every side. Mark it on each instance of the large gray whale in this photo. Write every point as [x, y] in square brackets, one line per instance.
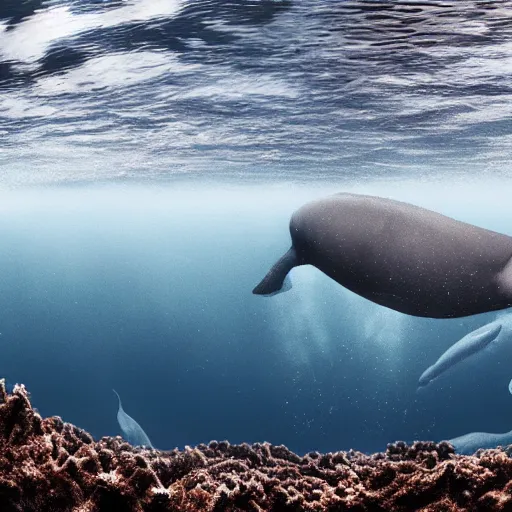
[398, 255]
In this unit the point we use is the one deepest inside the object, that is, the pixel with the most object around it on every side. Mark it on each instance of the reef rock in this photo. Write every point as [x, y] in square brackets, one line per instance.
[49, 465]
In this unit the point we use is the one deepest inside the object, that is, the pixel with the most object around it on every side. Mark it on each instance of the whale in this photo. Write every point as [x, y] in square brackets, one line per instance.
[468, 444]
[132, 431]
[399, 255]
[490, 338]
[468, 346]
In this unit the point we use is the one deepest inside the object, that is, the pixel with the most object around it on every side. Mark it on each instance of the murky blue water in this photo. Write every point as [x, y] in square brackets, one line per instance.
[151, 154]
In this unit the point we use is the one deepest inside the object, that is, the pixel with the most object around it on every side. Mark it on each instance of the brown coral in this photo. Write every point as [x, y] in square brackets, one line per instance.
[49, 465]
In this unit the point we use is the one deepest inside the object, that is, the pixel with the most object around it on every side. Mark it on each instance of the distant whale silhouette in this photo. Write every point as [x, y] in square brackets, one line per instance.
[491, 336]
[470, 443]
[398, 255]
[132, 431]
[467, 346]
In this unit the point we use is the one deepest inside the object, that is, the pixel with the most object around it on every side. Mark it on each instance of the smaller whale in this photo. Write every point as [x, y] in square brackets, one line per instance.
[471, 344]
[132, 431]
[470, 443]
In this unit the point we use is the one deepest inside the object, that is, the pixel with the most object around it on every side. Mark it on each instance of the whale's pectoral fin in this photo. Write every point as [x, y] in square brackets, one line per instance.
[277, 280]
[287, 285]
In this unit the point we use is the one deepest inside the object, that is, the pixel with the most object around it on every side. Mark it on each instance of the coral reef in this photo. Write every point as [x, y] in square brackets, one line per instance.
[49, 465]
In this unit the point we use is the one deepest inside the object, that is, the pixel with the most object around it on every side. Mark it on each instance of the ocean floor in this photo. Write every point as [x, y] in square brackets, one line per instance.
[49, 465]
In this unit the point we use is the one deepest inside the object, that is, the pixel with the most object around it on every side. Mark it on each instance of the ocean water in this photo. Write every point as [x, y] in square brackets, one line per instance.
[151, 155]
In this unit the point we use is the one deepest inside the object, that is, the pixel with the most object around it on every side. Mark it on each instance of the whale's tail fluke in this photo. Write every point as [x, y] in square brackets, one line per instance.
[276, 281]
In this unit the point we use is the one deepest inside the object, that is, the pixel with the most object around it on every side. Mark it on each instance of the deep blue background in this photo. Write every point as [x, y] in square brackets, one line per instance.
[148, 291]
